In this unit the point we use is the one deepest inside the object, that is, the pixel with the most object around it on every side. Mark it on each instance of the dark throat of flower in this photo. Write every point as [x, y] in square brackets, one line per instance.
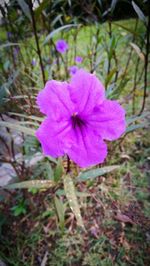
[77, 121]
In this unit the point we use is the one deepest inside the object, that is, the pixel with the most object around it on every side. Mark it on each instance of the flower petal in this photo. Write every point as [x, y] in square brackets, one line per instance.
[73, 70]
[84, 151]
[108, 120]
[86, 91]
[53, 137]
[54, 99]
[62, 46]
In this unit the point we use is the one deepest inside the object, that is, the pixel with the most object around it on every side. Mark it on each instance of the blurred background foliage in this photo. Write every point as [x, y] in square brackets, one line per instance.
[112, 37]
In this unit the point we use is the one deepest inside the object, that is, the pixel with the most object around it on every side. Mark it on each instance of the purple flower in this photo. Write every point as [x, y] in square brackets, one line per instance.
[33, 62]
[54, 62]
[73, 70]
[9, 34]
[16, 51]
[78, 59]
[79, 119]
[61, 46]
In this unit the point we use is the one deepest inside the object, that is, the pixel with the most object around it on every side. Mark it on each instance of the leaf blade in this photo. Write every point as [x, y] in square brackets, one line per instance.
[51, 34]
[25, 8]
[134, 127]
[139, 11]
[91, 174]
[60, 210]
[72, 199]
[26, 130]
[138, 51]
[31, 184]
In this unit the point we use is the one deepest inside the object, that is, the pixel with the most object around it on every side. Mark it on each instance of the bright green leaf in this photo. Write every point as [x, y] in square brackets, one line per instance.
[60, 210]
[58, 172]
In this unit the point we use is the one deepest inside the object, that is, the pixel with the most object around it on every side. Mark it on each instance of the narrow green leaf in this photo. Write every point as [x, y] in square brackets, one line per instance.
[134, 127]
[139, 11]
[109, 76]
[58, 18]
[112, 45]
[39, 10]
[113, 5]
[27, 123]
[98, 60]
[26, 130]
[23, 97]
[60, 210]
[91, 174]
[7, 85]
[31, 184]
[25, 8]
[40, 119]
[51, 159]
[8, 44]
[58, 172]
[61, 192]
[134, 118]
[116, 92]
[49, 36]
[49, 170]
[72, 198]
[136, 34]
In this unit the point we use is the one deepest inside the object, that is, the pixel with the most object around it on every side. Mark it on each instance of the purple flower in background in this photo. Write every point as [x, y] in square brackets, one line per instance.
[61, 46]
[79, 119]
[73, 70]
[16, 51]
[78, 59]
[54, 62]
[33, 62]
[9, 34]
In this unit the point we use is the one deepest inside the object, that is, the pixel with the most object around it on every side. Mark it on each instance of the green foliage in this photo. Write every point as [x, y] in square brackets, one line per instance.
[20, 208]
[25, 8]
[58, 172]
[60, 208]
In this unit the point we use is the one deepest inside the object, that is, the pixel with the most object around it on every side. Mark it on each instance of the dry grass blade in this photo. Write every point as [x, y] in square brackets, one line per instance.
[138, 51]
[44, 261]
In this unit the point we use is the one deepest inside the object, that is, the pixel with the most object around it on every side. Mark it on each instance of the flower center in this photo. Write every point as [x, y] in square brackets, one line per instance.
[77, 121]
